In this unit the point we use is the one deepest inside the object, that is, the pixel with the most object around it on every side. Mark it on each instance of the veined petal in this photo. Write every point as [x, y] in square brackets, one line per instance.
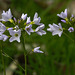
[36, 15]
[5, 37]
[28, 20]
[36, 48]
[18, 39]
[24, 16]
[11, 39]
[12, 32]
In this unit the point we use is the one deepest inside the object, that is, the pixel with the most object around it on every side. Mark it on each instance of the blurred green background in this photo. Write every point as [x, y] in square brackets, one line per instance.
[59, 57]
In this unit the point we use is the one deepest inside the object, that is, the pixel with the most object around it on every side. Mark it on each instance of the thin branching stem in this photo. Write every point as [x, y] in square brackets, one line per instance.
[5, 54]
[68, 37]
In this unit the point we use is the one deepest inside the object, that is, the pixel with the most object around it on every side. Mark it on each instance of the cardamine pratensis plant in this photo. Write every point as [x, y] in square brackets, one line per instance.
[18, 28]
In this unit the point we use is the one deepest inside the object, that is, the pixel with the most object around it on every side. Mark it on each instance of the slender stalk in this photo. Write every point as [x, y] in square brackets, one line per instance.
[69, 37]
[23, 36]
[25, 66]
[5, 54]
[3, 60]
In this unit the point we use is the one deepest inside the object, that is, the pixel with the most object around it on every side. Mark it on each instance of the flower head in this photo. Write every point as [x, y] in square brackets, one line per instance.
[15, 35]
[29, 29]
[3, 37]
[2, 28]
[24, 16]
[63, 14]
[36, 50]
[28, 20]
[39, 30]
[55, 29]
[36, 19]
[6, 15]
[71, 29]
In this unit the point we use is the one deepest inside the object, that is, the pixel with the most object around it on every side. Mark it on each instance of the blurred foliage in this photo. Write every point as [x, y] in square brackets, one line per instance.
[59, 52]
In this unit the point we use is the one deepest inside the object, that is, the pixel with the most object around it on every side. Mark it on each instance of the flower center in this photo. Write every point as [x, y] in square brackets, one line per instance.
[32, 22]
[60, 29]
[16, 35]
[28, 29]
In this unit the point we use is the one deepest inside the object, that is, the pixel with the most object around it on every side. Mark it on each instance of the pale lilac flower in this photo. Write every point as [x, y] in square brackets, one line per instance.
[6, 15]
[63, 14]
[28, 20]
[36, 50]
[15, 35]
[36, 19]
[2, 28]
[3, 37]
[29, 29]
[39, 30]
[71, 29]
[24, 16]
[72, 17]
[55, 29]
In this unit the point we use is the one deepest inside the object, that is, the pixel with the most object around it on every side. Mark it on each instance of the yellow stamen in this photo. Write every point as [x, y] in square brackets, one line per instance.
[32, 22]
[11, 20]
[32, 49]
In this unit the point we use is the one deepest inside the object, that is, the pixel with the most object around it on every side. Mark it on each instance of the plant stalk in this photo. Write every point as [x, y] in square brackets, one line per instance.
[25, 56]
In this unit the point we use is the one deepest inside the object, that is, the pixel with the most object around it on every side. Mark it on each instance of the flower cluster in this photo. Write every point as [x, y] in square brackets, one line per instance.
[57, 29]
[16, 27]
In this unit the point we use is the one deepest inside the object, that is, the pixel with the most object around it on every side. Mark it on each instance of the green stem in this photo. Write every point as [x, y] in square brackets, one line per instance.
[5, 54]
[3, 60]
[69, 37]
[23, 36]
[25, 66]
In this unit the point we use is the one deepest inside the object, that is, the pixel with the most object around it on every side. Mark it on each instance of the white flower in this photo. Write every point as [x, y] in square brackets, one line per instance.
[36, 19]
[63, 14]
[55, 29]
[3, 37]
[39, 30]
[36, 50]
[6, 15]
[29, 29]
[15, 35]
[24, 16]
[2, 28]
[28, 20]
